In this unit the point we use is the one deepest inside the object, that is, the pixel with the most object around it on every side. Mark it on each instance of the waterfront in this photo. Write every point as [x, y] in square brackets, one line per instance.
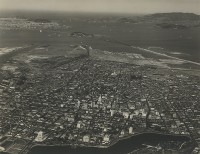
[121, 147]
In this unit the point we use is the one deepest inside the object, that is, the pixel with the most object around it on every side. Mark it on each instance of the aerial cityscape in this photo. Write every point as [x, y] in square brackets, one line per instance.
[105, 83]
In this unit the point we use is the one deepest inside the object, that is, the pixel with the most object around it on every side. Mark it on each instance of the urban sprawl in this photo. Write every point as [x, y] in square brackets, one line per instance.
[92, 102]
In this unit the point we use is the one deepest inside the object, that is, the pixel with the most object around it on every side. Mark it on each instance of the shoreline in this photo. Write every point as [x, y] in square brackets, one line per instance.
[4, 57]
[112, 143]
[165, 55]
[8, 50]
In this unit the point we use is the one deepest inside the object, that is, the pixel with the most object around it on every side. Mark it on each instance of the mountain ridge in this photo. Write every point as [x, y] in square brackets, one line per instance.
[174, 16]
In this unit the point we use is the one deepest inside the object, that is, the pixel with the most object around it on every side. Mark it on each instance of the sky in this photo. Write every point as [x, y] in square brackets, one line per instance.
[104, 6]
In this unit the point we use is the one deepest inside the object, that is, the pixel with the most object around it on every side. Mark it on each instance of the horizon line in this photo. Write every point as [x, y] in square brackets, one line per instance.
[89, 12]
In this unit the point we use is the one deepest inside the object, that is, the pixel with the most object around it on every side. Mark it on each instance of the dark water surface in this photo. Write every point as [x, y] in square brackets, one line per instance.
[121, 147]
[185, 41]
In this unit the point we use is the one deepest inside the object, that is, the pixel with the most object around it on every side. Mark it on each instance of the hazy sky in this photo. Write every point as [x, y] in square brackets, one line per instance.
[108, 6]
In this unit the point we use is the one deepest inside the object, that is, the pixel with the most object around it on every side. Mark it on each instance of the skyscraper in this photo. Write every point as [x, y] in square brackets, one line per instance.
[40, 137]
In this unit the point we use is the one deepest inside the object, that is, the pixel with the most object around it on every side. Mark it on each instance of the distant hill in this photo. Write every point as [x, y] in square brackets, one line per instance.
[175, 16]
[127, 20]
[171, 26]
[40, 20]
[157, 18]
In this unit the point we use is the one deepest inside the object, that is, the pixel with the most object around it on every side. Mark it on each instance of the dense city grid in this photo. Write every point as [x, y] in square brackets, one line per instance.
[93, 102]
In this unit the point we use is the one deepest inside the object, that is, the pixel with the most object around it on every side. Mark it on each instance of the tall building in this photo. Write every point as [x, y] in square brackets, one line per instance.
[86, 138]
[79, 124]
[78, 104]
[130, 130]
[106, 138]
[40, 137]
[100, 100]
[112, 112]
[122, 133]
[131, 116]
[114, 74]
[126, 115]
